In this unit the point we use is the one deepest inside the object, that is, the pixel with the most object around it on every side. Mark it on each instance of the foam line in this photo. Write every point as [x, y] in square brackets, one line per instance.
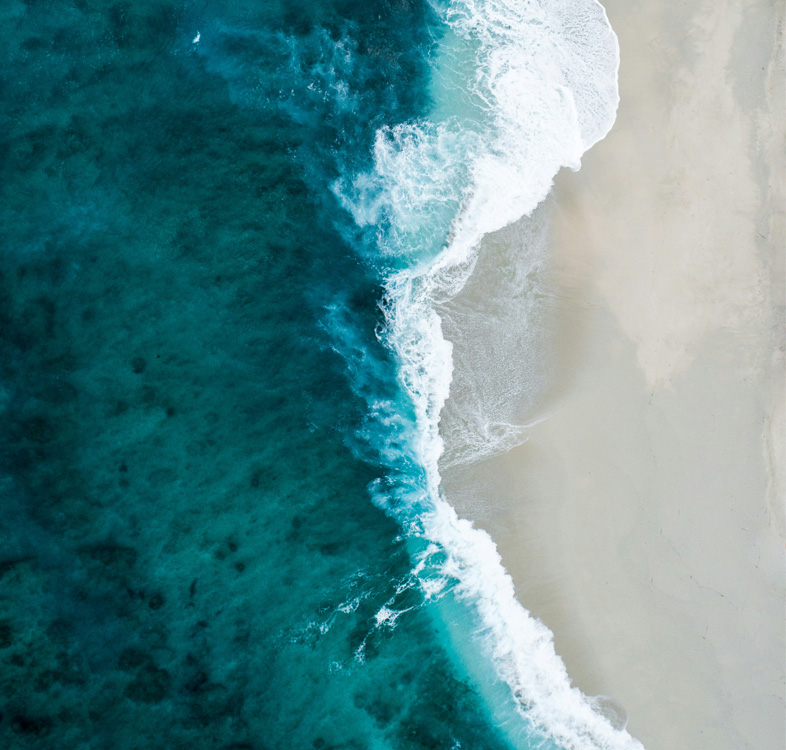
[520, 90]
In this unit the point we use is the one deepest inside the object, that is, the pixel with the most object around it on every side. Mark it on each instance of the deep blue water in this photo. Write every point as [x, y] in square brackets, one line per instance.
[189, 556]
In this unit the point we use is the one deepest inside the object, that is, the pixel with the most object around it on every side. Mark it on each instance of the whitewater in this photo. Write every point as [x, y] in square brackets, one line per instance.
[519, 90]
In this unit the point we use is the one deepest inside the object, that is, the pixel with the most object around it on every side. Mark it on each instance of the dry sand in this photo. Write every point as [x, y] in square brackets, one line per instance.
[643, 521]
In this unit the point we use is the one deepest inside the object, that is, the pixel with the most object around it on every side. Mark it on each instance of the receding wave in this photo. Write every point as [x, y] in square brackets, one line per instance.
[519, 90]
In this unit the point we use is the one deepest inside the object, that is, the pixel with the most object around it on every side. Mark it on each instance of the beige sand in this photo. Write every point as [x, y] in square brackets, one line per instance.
[643, 521]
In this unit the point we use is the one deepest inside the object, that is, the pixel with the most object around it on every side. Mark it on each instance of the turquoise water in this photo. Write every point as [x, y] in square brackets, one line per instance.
[217, 513]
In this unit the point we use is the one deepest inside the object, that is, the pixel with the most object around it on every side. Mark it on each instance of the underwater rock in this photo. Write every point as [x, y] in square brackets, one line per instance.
[131, 658]
[156, 601]
[6, 635]
[39, 430]
[151, 685]
[112, 555]
[38, 726]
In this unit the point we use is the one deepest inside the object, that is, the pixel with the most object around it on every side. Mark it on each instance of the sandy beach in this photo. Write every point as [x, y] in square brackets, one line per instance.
[643, 519]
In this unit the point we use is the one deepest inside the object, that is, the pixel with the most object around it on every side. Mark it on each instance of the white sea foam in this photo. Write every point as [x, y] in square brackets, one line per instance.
[521, 88]
[521, 647]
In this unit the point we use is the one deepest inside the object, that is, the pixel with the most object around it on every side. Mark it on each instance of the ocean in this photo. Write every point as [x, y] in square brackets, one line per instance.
[231, 236]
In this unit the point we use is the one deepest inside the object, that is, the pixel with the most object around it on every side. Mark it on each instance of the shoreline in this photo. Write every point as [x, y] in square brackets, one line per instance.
[642, 521]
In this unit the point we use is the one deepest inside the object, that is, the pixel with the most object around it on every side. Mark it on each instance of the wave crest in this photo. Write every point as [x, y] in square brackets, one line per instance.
[520, 89]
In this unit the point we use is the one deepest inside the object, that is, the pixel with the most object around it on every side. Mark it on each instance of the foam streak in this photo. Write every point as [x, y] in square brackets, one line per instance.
[537, 85]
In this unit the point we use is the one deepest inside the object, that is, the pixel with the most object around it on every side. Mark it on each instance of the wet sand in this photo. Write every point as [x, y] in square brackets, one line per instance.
[643, 520]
